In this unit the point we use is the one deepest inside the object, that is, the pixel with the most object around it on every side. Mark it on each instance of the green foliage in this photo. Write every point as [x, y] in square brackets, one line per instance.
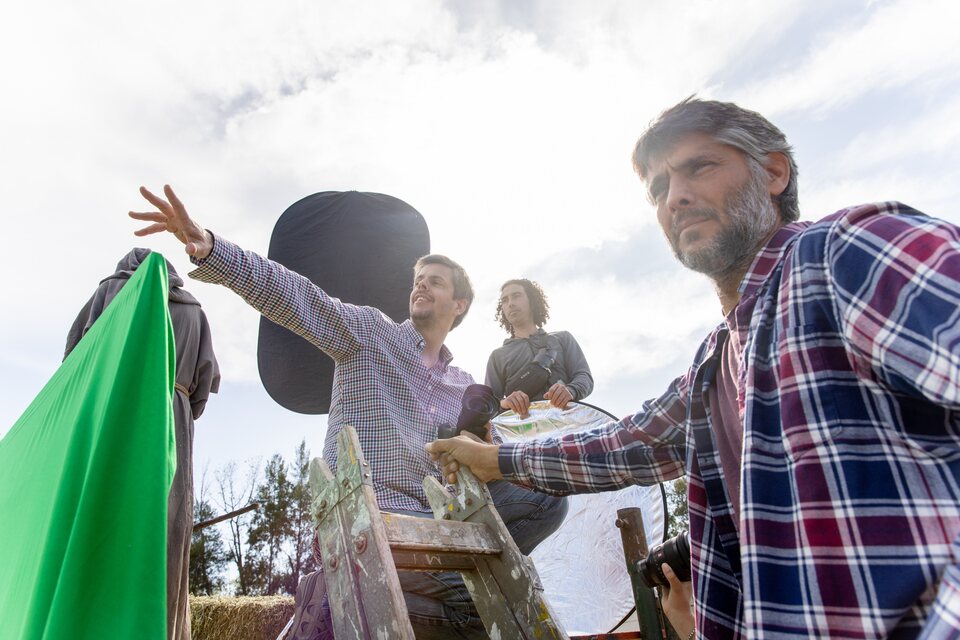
[270, 548]
[269, 529]
[678, 519]
[299, 552]
[208, 558]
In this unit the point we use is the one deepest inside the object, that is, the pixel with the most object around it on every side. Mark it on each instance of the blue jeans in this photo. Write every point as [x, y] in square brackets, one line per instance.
[439, 603]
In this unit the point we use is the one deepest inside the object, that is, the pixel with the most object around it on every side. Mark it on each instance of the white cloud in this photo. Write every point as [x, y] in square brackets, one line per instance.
[927, 135]
[898, 44]
[509, 126]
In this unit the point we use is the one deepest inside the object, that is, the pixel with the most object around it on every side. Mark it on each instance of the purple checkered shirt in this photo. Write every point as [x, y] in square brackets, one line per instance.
[380, 385]
[849, 390]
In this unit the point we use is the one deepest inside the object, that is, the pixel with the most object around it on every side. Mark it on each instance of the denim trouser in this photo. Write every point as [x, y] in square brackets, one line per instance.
[438, 602]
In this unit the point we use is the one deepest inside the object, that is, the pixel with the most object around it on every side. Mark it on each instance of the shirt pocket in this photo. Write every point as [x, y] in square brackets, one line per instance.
[812, 363]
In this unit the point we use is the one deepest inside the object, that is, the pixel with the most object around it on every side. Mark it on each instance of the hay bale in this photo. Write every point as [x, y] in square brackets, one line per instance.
[240, 618]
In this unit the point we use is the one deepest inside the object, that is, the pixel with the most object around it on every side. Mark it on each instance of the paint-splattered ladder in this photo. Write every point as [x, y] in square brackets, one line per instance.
[362, 549]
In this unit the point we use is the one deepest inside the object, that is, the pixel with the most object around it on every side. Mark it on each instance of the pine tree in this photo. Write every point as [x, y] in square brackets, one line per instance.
[299, 548]
[270, 528]
[207, 554]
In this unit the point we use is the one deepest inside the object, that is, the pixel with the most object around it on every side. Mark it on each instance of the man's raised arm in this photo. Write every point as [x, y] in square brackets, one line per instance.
[281, 295]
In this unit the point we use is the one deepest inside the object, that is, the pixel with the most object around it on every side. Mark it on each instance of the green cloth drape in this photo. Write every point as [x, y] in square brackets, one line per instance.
[84, 477]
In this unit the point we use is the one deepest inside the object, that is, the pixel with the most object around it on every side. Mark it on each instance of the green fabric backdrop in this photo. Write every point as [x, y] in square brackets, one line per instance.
[84, 477]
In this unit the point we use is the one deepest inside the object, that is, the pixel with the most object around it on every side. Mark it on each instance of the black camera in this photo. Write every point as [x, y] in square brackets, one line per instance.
[674, 552]
[478, 407]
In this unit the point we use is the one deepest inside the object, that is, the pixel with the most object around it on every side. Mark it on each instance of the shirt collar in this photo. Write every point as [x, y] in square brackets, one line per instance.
[411, 333]
[769, 257]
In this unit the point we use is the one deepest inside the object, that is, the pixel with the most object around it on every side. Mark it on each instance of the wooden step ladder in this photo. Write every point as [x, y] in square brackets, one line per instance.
[362, 549]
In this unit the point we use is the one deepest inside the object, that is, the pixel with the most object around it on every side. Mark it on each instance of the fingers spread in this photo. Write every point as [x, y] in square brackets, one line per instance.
[156, 201]
[172, 197]
[154, 228]
[152, 216]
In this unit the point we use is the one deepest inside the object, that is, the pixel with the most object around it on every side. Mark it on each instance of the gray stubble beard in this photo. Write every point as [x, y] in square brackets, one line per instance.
[752, 216]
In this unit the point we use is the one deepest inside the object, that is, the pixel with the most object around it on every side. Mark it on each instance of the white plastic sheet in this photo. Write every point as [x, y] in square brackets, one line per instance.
[581, 565]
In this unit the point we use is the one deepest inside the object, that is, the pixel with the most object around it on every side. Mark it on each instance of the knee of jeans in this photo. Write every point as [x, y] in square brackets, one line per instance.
[554, 512]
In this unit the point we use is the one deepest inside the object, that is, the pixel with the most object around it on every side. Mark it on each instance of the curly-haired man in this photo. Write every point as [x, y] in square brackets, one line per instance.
[533, 364]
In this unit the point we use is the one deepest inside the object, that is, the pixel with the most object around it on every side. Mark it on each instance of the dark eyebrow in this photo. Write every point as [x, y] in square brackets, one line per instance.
[694, 162]
[657, 185]
[661, 180]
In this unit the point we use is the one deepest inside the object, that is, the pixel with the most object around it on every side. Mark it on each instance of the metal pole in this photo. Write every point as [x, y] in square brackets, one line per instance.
[226, 516]
[649, 613]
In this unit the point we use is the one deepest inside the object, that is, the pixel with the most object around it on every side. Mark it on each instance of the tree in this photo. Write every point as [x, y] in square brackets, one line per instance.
[233, 496]
[677, 519]
[300, 549]
[207, 554]
[270, 528]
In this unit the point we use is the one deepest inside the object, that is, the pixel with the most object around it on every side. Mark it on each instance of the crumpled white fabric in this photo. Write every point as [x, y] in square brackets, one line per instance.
[581, 565]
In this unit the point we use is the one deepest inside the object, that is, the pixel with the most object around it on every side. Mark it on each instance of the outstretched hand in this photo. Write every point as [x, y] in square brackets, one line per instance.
[172, 216]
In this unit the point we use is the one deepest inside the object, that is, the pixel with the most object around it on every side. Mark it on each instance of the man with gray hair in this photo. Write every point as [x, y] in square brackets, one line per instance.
[819, 424]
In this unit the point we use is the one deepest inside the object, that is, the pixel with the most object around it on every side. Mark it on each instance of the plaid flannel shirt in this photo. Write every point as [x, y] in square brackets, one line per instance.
[849, 392]
[380, 385]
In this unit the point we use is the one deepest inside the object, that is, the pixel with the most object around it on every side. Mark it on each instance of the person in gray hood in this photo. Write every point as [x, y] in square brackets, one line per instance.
[533, 364]
[197, 376]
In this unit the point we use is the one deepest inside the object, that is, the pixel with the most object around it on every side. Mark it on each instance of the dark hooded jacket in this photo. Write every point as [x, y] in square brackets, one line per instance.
[197, 376]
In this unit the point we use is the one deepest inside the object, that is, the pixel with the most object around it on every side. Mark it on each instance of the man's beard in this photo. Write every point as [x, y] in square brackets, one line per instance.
[751, 216]
[422, 319]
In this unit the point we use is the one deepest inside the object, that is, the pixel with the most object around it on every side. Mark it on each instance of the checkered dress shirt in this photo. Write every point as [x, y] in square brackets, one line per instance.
[849, 391]
[380, 385]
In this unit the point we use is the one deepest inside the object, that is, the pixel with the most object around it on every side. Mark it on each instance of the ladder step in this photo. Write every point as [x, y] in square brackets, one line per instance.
[421, 544]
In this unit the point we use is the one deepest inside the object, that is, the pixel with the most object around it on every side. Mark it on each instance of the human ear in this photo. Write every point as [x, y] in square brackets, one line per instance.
[777, 167]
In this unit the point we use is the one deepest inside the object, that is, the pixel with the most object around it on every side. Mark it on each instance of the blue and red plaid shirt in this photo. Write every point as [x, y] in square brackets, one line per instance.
[380, 385]
[849, 392]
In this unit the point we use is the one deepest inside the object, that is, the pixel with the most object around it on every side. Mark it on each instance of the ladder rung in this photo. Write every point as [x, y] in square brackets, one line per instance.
[408, 533]
[433, 560]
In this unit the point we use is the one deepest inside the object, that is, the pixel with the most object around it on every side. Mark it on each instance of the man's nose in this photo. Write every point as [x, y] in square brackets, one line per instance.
[679, 194]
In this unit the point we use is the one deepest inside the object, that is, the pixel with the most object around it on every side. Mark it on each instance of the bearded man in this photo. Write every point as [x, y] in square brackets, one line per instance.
[819, 424]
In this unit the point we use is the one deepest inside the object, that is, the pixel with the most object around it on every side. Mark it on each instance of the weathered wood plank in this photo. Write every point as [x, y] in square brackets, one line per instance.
[433, 561]
[421, 534]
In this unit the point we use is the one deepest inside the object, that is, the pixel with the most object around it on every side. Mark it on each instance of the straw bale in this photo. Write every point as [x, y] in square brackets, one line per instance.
[239, 618]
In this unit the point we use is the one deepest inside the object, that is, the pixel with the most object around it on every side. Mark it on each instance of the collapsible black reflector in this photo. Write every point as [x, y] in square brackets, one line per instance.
[358, 247]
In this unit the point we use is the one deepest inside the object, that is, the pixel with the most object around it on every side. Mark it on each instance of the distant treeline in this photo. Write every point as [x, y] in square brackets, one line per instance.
[269, 548]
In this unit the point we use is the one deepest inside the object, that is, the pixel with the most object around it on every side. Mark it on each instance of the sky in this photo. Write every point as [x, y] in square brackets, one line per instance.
[507, 124]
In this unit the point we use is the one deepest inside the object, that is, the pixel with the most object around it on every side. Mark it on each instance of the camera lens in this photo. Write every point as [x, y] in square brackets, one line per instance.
[479, 405]
[675, 552]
